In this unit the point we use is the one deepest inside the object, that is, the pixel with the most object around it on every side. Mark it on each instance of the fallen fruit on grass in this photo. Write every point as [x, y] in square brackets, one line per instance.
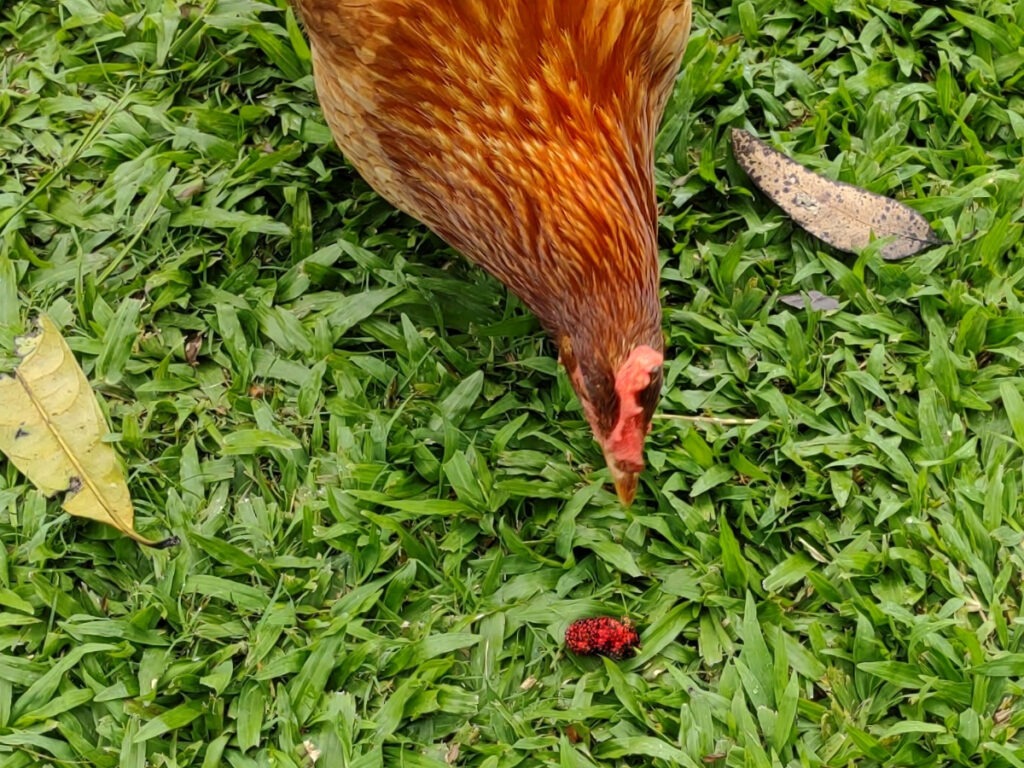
[603, 636]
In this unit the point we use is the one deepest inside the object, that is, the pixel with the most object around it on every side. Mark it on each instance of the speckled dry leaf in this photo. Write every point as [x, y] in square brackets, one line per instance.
[812, 299]
[844, 216]
[52, 430]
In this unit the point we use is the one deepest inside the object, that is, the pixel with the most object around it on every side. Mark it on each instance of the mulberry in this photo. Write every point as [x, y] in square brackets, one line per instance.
[604, 636]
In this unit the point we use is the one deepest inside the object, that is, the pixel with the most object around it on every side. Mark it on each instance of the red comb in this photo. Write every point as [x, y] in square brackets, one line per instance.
[626, 441]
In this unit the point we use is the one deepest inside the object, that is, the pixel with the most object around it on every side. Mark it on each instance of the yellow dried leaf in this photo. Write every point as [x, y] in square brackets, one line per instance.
[52, 430]
[844, 216]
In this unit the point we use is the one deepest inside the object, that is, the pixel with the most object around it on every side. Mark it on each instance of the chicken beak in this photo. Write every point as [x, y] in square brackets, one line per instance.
[625, 481]
[625, 486]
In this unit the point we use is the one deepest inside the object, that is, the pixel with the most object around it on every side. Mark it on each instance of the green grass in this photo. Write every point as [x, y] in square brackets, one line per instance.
[389, 502]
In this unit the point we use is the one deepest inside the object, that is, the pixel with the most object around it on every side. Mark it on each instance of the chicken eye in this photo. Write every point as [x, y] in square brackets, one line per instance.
[648, 396]
[601, 389]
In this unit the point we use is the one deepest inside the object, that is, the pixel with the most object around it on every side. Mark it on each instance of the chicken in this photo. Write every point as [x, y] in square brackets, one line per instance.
[522, 133]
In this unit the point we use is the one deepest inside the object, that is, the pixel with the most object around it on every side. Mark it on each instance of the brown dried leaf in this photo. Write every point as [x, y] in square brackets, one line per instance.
[844, 216]
[451, 756]
[813, 299]
[528, 683]
[192, 347]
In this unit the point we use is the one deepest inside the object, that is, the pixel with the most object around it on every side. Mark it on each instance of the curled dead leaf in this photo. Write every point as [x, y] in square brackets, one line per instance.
[844, 216]
[813, 299]
[1004, 711]
[53, 431]
[528, 683]
[192, 348]
[312, 751]
[451, 755]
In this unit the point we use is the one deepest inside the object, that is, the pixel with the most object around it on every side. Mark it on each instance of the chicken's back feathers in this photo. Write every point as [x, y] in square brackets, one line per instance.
[521, 132]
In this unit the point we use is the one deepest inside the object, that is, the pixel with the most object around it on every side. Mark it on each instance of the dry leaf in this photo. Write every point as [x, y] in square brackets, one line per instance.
[451, 756]
[312, 751]
[192, 348]
[844, 216]
[813, 299]
[52, 430]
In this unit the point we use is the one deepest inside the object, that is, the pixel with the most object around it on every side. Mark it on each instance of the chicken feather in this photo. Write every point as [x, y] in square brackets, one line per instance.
[522, 133]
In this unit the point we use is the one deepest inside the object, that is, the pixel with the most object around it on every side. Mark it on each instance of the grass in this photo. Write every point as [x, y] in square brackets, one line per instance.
[389, 502]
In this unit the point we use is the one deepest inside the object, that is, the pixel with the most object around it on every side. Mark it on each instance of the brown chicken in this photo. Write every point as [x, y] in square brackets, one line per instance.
[522, 132]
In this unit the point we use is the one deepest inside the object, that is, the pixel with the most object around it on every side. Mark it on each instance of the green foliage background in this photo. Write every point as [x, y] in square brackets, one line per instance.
[390, 503]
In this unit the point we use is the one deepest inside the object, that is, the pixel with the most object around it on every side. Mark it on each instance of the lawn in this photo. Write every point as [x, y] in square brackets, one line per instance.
[389, 502]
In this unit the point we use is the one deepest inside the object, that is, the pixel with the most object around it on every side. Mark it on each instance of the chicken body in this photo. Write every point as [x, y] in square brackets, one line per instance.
[522, 132]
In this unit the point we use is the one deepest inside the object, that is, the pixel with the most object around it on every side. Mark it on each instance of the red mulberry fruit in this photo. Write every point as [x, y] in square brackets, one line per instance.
[604, 635]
